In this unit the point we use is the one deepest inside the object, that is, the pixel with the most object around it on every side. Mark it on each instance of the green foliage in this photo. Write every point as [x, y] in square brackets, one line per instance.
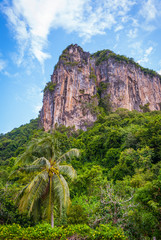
[118, 179]
[67, 58]
[55, 67]
[102, 87]
[105, 103]
[92, 75]
[72, 45]
[145, 108]
[104, 55]
[104, 98]
[88, 182]
[71, 63]
[130, 160]
[48, 187]
[44, 231]
[77, 215]
[50, 86]
[101, 56]
[111, 158]
[9, 213]
[111, 232]
[91, 106]
[13, 143]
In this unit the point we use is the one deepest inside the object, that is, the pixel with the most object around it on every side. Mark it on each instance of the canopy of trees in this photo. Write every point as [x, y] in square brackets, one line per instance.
[117, 192]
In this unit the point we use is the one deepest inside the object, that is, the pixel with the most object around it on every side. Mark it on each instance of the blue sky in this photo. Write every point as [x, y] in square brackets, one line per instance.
[33, 33]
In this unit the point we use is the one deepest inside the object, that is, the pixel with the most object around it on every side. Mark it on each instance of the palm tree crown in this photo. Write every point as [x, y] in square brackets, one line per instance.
[48, 185]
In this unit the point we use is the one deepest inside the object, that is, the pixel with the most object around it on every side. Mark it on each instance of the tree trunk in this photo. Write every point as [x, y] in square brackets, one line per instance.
[51, 203]
[52, 218]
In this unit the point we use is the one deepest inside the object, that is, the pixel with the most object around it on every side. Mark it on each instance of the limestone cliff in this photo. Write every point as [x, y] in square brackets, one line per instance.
[80, 82]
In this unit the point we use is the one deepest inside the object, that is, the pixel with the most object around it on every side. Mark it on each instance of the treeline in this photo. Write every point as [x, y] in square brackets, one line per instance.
[13, 143]
[117, 191]
[106, 54]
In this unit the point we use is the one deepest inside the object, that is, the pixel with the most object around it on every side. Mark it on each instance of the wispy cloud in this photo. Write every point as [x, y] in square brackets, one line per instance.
[147, 53]
[118, 28]
[31, 20]
[10, 75]
[132, 33]
[2, 64]
[148, 10]
[159, 71]
[150, 13]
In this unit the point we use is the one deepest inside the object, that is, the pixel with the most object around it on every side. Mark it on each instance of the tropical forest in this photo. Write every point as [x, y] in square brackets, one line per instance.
[103, 183]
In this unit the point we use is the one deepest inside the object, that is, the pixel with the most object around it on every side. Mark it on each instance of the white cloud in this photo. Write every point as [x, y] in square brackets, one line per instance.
[145, 58]
[159, 71]
[10, 74]
[149, 10]
[132, 33]
[32, 20]
[148, 51]
[150, 13]
[118, 28]
[2, 65]
[136, 48]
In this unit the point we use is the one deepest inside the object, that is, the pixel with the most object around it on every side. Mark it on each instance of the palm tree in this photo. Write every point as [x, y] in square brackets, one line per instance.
[48, 185]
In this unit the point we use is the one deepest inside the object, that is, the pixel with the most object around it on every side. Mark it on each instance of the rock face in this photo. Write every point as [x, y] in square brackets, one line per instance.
[81, 82]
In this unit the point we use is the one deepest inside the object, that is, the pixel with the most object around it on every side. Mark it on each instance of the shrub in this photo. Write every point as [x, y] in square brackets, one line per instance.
[45, 232]
[104, 55]
[77, 215]
[50, 86]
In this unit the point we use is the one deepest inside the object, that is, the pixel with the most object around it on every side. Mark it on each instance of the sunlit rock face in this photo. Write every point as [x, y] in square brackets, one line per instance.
[73, 99]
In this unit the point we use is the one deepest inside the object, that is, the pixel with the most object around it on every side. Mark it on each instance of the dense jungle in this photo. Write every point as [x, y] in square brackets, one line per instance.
[104, 183]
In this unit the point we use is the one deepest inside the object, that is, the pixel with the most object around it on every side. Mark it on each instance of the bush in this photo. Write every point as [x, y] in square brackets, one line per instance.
[77, 215]
[45, 232]
[50, 86]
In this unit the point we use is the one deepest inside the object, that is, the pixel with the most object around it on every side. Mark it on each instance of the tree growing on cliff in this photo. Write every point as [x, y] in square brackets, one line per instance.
[48, 186]
[145, 108]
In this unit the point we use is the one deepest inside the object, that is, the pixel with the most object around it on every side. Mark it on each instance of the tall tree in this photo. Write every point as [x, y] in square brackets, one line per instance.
[48, 185]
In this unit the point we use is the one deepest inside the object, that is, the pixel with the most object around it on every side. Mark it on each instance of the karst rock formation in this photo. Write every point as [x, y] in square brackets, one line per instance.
[83, 83]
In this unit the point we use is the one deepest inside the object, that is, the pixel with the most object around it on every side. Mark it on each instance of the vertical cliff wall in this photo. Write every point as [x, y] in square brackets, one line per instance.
[81, 81]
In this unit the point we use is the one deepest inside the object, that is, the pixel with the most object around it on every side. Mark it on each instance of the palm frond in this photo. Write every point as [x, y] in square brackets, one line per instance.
[40, 188]
[42, 162]
[71, 153]
[68, 170]
[27, 157]
[13, 174]
[61, 190]
[27, 169]
[33, 191]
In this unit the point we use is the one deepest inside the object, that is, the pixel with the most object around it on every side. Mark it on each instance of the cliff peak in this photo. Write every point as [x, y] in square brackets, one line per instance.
[83, 85]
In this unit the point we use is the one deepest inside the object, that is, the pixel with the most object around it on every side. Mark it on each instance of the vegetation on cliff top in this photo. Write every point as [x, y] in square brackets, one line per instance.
[104, 55]
[50, 86]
